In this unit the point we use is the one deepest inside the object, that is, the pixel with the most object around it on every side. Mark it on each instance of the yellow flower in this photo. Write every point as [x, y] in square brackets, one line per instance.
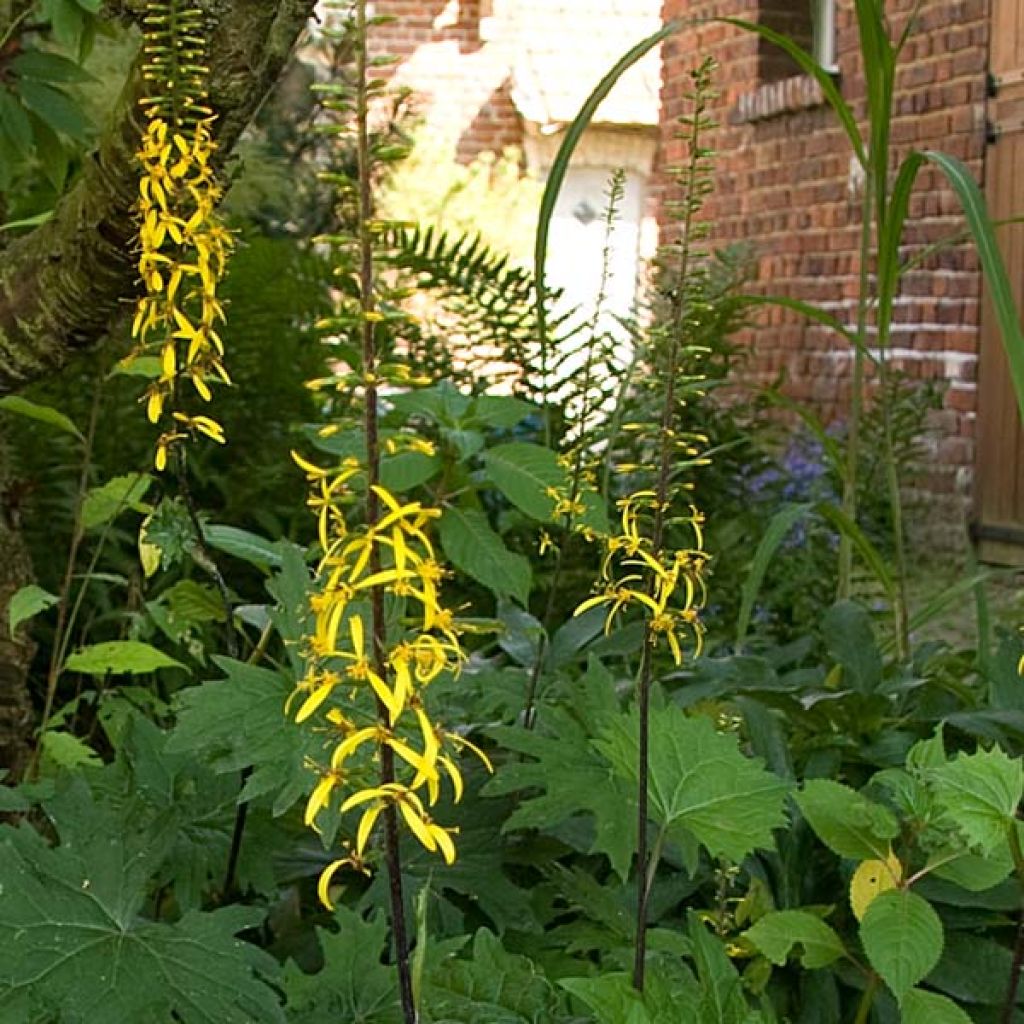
[351, 860]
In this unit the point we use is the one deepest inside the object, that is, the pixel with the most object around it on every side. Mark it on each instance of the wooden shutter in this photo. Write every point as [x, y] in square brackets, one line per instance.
[999, 481]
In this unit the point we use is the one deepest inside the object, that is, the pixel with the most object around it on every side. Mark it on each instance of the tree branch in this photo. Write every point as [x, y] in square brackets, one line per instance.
[65, 284]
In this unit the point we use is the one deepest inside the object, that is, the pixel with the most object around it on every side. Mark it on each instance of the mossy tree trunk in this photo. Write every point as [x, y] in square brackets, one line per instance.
[66, 283]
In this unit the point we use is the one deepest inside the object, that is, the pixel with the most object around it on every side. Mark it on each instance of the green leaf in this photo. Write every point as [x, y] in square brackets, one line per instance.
[501, 411]
[249, 547]
[921, 1007]
[354, 983]
[28, 601]
[566, 776]
[191, 603]
[494, 987]
[77, 948]
[15, 122]
[475, 549]
[524, 473]
[981, 792]
[850, 639]
[611, 997]
[67, 751]
[106, 502]
[722, 999]
[43, 413]
[974, 969]
[49, 67]
[902, 937]
[997, 280]
[700, 780]
[239, 722]
[774, 534]
[778, 932]
[403, 472]
[56, 108]
[847, 822]
[119, 657]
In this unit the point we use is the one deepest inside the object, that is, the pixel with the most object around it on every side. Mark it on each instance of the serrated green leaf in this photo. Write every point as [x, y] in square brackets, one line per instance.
[611, 997]
[354, 983]
[494, 987]
[106, 502]
[567, 776]
[76, 946]
[777, 933]
[119, 657]
[902, 937]
[43, 413]
[921, 1007]
[981, 792]
[699, 779]
[28, 601]
[67, 751]
[847, 822]
[239, 722]
[475, 549]
[56, 108]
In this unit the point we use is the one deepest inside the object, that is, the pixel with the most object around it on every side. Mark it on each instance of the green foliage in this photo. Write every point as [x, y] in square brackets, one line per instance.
[119, 657]
[353, 984]
[777, 935]
[700, 782]
[902, 937]
[94, 955]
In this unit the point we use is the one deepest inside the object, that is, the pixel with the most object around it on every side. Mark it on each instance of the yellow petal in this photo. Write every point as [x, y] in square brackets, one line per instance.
[417, 826]
[324, 885]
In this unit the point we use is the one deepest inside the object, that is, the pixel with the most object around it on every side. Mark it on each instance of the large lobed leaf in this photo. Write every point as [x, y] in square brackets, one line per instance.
[701, 781]
[239, 722]
[76, 946]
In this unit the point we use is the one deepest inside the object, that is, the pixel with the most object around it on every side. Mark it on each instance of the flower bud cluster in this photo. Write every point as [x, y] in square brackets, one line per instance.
[183, 246]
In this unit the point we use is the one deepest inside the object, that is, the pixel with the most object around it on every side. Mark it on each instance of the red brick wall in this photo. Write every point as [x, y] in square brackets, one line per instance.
[785, 182]
[454, 65]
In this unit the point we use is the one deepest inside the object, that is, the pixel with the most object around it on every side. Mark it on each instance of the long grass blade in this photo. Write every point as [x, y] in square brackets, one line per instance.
[809, 66]
[776, 532]
[560, 166]
[871, 555]
[992, 264]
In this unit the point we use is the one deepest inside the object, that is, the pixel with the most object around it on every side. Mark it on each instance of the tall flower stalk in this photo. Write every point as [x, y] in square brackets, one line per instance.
[381, 632]
[656, 562]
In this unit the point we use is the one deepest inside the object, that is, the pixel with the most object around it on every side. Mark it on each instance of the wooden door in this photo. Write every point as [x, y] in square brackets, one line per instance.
[999, 478]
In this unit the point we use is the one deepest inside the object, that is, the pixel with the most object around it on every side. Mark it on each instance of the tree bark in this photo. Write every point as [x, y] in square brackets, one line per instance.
[66, 283]
[16, 650]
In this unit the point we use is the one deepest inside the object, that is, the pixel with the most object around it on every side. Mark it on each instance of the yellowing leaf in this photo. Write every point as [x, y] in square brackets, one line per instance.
[871, 878]
[149, 554]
